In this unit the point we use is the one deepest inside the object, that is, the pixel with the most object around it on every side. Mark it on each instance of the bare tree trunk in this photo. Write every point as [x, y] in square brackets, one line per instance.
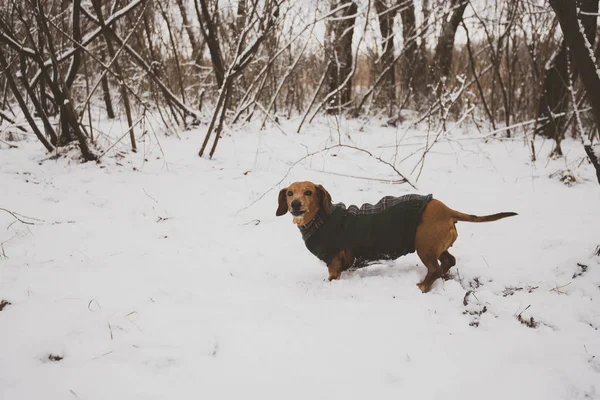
[555, 93]
[475, 76]
[147, 68]
[338, 49]
[110, 113]
[58, 86]
[49, 130]
[414, 69]
[111, 52]
[241, 15]
[266, 20]
[209, 32]
[174, 48]
[425, 24]
[386, 15]
[196, 47]
[442, 60]
[583, 59]
[76, 60]
[554, 98]
[13, 86]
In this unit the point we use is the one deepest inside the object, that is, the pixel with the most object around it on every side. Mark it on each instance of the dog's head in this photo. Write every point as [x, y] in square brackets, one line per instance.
[303, 200]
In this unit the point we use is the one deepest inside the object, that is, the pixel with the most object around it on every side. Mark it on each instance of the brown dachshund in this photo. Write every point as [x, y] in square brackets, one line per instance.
[395, 226]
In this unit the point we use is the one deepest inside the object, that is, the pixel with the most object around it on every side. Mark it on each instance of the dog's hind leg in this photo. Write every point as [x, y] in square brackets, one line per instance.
[434, 271]
[447, 260]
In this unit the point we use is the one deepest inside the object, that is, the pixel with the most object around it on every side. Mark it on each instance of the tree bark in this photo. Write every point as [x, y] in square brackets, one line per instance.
[196, 47]
[209, 32]
[49, 130]
[62, 94]
[555, 93]
[139, 60]
[442, 60]
[581, 53]
[386, 16]
[110, 113]
[111, 52]
[338, 49]
[414, 69]
[13, 86]
[76, 60]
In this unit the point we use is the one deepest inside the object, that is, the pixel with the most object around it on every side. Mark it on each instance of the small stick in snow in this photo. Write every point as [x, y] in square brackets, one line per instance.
[17, 215]
[558, 289]
[153, 199]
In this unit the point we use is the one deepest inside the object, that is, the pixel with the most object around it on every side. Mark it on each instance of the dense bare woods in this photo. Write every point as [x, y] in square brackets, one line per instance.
[501, 64]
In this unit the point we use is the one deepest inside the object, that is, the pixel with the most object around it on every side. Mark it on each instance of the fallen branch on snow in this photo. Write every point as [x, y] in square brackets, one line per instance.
[19, 217]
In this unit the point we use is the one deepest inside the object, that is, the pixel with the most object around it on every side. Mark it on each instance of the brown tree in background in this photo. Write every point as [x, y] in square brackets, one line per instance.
[414, 65]
[583, 59]
[218, 63]
[338, 50]
[442, 59]
[385, 15]
[555, 95]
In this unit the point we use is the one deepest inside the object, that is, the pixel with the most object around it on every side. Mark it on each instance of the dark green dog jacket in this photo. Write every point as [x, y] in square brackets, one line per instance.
[384, 231]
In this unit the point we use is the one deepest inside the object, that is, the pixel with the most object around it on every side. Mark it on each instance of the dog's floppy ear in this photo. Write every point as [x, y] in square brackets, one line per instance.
[324, 198]
[283, 207]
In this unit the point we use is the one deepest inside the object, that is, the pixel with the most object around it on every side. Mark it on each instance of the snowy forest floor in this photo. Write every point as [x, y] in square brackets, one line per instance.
[161, 275]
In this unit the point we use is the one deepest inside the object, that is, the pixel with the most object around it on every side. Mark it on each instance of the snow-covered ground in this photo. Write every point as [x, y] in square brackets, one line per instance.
[168, 276]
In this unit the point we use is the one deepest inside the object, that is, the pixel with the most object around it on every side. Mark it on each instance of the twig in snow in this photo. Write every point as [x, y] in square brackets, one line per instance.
[558, 290]
[123, 136]
[102, 355]
[90, 304]
[153, 199]
[19, 217]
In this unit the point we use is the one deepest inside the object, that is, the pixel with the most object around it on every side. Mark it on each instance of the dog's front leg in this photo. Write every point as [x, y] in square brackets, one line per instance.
[341, 262]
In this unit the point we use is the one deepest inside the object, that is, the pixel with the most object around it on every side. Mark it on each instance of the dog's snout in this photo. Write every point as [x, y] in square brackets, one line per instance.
[296, 204]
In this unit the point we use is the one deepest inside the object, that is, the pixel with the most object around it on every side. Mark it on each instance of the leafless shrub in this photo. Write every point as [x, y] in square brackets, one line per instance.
[209, 63]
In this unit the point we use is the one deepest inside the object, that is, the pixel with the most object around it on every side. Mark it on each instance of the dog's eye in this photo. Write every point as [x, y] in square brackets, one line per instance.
[308, 193]
[290, 193]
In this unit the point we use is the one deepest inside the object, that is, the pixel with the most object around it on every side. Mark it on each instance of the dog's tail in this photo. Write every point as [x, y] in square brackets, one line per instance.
[458, 216]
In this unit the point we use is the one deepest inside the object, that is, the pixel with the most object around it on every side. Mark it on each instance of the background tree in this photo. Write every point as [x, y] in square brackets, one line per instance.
[338, 50]
[583, 58]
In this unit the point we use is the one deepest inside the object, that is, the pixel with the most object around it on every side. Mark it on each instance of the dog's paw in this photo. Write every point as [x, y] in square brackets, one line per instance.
[423, 287]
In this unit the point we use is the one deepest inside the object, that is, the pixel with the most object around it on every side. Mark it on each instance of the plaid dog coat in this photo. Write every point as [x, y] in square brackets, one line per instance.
[384, 231]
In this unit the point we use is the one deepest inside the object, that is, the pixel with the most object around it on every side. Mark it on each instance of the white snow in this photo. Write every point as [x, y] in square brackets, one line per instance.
[152, 284]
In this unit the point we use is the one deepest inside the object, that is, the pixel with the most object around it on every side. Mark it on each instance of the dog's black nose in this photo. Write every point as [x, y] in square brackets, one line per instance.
[296, 204]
